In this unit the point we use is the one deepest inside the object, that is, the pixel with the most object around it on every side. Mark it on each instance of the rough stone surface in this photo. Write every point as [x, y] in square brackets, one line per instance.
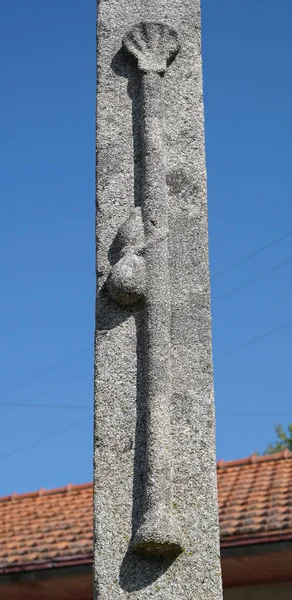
[161, 321]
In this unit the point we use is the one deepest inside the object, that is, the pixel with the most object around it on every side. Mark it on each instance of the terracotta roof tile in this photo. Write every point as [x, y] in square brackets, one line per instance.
[45, 526]
[255, 498]
[55, 526]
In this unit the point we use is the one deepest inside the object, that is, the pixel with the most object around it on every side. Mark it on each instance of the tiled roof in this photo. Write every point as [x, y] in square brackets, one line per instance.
[255, 499]
[54, 528]
[46, 528]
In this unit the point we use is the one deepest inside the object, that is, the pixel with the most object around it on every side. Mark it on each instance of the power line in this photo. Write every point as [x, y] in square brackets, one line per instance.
[258, 338]
[261, 249]
[46, 371]
[43, 439]
[254, 279]
[28, 405]
[40, 394]
[218, 412]
[72, 425]
[251, 414]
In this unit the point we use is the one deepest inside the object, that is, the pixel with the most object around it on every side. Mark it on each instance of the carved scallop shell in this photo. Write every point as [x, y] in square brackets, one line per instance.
[153, 45]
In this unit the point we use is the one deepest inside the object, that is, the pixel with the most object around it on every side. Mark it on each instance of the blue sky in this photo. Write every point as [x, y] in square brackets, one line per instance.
[47, 130]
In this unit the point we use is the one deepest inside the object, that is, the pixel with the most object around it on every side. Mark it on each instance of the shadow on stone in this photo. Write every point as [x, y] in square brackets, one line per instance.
[140, 466]
[138, 572]
[107, 315]
[124, 67]
[115, 249]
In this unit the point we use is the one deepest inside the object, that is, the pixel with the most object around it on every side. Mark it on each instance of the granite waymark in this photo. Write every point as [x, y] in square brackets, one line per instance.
[155, 500]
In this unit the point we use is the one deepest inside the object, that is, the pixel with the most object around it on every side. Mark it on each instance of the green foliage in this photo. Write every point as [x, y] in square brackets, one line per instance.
[283, 440]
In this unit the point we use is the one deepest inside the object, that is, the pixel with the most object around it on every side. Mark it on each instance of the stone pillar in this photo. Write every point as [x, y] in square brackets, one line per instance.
[155, 497]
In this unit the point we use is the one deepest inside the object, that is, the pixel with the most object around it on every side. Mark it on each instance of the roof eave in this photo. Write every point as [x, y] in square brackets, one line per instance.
[48, 566]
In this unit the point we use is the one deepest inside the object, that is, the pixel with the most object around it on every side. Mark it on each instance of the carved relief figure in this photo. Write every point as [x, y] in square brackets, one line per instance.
[142, 274]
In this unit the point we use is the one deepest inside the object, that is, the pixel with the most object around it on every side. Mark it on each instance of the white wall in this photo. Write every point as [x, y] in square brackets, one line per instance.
[277, 591]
